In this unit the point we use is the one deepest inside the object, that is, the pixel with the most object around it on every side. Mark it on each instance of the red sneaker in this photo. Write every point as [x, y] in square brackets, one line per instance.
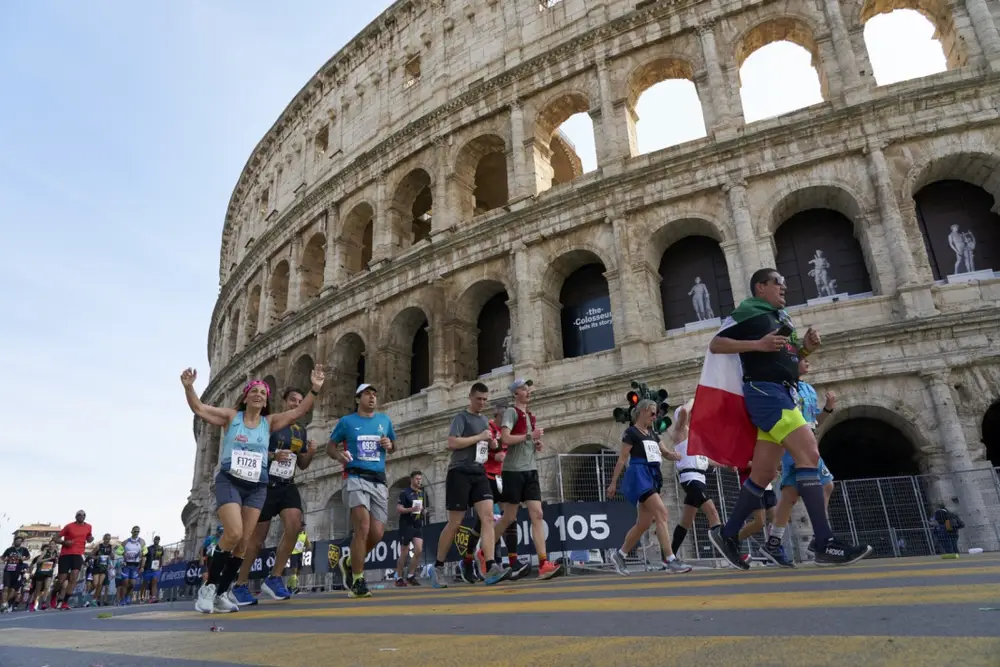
[481, 561]
[53, 602]
[400, 583]
[548, 570]
[65, 606]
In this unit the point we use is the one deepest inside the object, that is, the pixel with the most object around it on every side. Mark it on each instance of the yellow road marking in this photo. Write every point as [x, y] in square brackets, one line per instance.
[308, 650]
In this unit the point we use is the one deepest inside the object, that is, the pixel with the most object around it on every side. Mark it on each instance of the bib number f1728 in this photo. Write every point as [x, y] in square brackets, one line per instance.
[246, 465]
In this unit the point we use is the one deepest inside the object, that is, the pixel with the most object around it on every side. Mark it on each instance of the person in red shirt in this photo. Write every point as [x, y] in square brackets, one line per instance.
[74, 539]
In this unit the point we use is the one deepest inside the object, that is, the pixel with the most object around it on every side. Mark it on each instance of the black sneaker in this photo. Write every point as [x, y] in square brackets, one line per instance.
[412, 580]
[467, 573]
[476, 573]
[359, 589]
[775, 553]
[728, 547]
[521, 570]
[835, 552]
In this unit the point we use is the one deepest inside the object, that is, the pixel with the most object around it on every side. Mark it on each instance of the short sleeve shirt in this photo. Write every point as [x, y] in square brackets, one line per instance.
[78, 533]
[520, 457]
[781, 366]
[363, 435]
[645, 446]
[808, 403]
[408, 498]
[465, 425]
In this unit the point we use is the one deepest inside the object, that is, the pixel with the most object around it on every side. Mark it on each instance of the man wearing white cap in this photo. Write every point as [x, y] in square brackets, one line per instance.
[360, 442]
[523, 438]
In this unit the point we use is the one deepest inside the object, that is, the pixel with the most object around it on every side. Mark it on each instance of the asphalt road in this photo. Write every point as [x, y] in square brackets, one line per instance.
[923, 611]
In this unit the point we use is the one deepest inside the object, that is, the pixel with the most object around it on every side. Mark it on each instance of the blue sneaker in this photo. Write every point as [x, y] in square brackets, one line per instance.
[275, 587]
[775, 553]
[242, 596]
[438, 577]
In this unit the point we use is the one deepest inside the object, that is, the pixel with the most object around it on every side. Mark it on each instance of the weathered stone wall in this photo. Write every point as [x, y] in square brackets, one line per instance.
[433, 89]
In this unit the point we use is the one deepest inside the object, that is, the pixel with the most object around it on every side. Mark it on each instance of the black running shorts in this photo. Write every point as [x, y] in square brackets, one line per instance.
[521, 486]
[695, 493]
[464, 488]
[280, 497]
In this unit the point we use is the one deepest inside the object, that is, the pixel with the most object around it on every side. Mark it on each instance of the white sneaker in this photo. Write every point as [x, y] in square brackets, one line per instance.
[225, 603]
[206, 599]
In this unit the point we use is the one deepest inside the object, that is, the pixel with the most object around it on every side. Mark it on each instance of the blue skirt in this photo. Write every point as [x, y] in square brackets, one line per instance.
[641, 480]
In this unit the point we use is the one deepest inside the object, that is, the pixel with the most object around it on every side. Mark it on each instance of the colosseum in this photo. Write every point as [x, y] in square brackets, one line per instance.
[416, 219]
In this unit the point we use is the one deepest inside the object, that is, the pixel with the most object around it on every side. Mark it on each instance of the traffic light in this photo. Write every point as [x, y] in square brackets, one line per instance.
[640, 391]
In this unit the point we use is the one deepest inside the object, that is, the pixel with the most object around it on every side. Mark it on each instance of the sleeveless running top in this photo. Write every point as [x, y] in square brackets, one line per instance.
[244, 450]
[132, 553]
[104, 553]
[690, 468]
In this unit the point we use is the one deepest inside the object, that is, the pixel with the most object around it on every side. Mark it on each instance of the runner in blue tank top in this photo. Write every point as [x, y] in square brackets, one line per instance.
[241, 483]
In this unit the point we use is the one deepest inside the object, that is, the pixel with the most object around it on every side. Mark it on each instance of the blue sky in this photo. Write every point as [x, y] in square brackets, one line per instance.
[123, 131]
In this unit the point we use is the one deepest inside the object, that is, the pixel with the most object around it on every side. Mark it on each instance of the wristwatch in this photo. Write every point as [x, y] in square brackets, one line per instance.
[828, 410]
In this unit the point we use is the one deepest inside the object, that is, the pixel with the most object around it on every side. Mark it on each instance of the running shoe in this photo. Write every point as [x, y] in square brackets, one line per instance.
[548, 570]
[675, 566]
[437, 577]
[223, 604]
[241, 596]
[467, 572]
[481, 560]
[615, 558]
[728, 547]
[835, 552]
[64, 606]
[359, 589]
[275, 587]
[33, 607]
[412, 580]
[496, 574]
[775, 553]
[521, 570]
[400, 583]
[206, 599]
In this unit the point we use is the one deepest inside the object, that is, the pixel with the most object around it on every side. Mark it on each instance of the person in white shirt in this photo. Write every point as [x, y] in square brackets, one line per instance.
[691, 472]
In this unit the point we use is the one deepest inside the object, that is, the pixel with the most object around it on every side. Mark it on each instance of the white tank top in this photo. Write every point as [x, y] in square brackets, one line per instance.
[133, 550]
[689, 463]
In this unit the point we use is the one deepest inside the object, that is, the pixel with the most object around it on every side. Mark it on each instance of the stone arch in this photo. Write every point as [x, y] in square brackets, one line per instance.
[312, 269]
[587, 471]
[480, 177]
[798, 30]
[937, 12]
[482, 325]
[991, 433]
[299, 377]
[272, 385]
[963, 190]
[576, 305]
[407, 354]
[234, 332]
[893, 412]
[798, 197]
[675, 73]
[554, 155]
[694, 283]
[253, 311]
[356, 241]
[348, 369]
[676, 228]
[411, 209]
[279, 292]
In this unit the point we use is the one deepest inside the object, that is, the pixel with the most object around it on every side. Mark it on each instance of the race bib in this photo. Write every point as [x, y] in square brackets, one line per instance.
[652, 451]
[246, 465]
[103, 560]
[155, 565]
[418, 506]
[283, 469]
[299, 546]
[702, 462]
[45, 567]
[11, 567]
[482, 451]
[368, 448]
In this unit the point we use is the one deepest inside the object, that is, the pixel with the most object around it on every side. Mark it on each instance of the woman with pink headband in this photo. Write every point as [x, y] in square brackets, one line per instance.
[241, 483]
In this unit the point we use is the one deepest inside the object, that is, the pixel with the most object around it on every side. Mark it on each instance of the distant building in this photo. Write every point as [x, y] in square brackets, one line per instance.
[37, 535]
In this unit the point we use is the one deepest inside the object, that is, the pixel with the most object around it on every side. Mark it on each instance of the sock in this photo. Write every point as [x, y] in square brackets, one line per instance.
[467, 559]
[680, 532]
[293, 581]
[512, 559]
[777, 532]
[542, 560]
[669, 559]
[215, 567]
[489, 564]
[229, 574]
[750, 499]
[510, 538]
[811, 492]
[622, 554]
[358, 576]
[439, 563]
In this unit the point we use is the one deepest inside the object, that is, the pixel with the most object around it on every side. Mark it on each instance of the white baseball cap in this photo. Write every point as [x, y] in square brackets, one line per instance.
[518, 383]
[362, 387]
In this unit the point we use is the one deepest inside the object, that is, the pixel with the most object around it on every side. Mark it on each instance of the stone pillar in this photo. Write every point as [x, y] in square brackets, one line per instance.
[734, 262]
[241, 329]
[720, 99]
[382, 232]
[986, 31]
[892, 221]
[528, 341]
[765, 251]
[294, 275]
[445, 216]
[264, 311]
[612, 139]
[626, 309]
[956, 449]
[846, 62]
[736, 195]
[331, 262]
[519, 157]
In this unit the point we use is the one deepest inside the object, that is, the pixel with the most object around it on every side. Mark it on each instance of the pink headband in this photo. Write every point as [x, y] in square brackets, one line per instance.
[257, 383]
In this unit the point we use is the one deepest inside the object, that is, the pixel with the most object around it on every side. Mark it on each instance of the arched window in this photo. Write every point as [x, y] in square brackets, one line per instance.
[694, 283]
[961, 232]
[586, 312]
[664, 107]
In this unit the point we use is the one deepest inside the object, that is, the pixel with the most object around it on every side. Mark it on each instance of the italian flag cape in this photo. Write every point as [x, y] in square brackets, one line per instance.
[720, 426]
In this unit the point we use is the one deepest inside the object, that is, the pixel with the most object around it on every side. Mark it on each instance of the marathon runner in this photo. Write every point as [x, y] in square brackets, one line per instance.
[288, 450]
[241, 483]
[73, 538]
[809, 405]
[411, 506]
[151, 569]
[207, 549]
[103, 553]
[133, 551]
[302, 544]
[758, 519]
[470, 441]
[769, 351]
[14, 558]
[360, 441]
[691, 474]
[643, 450]
[520, 433]
[44, 565]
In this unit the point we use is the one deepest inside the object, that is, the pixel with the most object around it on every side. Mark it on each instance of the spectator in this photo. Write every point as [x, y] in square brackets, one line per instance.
[946, 526]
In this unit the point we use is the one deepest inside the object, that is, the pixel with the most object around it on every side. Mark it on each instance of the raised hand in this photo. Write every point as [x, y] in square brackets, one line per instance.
[812, 340]
[310, 447]
[317, 377]
[188, 377]
[831, 401]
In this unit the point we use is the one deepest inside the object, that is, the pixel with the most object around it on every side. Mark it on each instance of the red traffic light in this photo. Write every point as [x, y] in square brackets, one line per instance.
[633, 398]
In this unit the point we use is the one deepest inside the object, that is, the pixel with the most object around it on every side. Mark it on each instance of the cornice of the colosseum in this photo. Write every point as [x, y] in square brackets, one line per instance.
[896, 102]
[314, 88]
